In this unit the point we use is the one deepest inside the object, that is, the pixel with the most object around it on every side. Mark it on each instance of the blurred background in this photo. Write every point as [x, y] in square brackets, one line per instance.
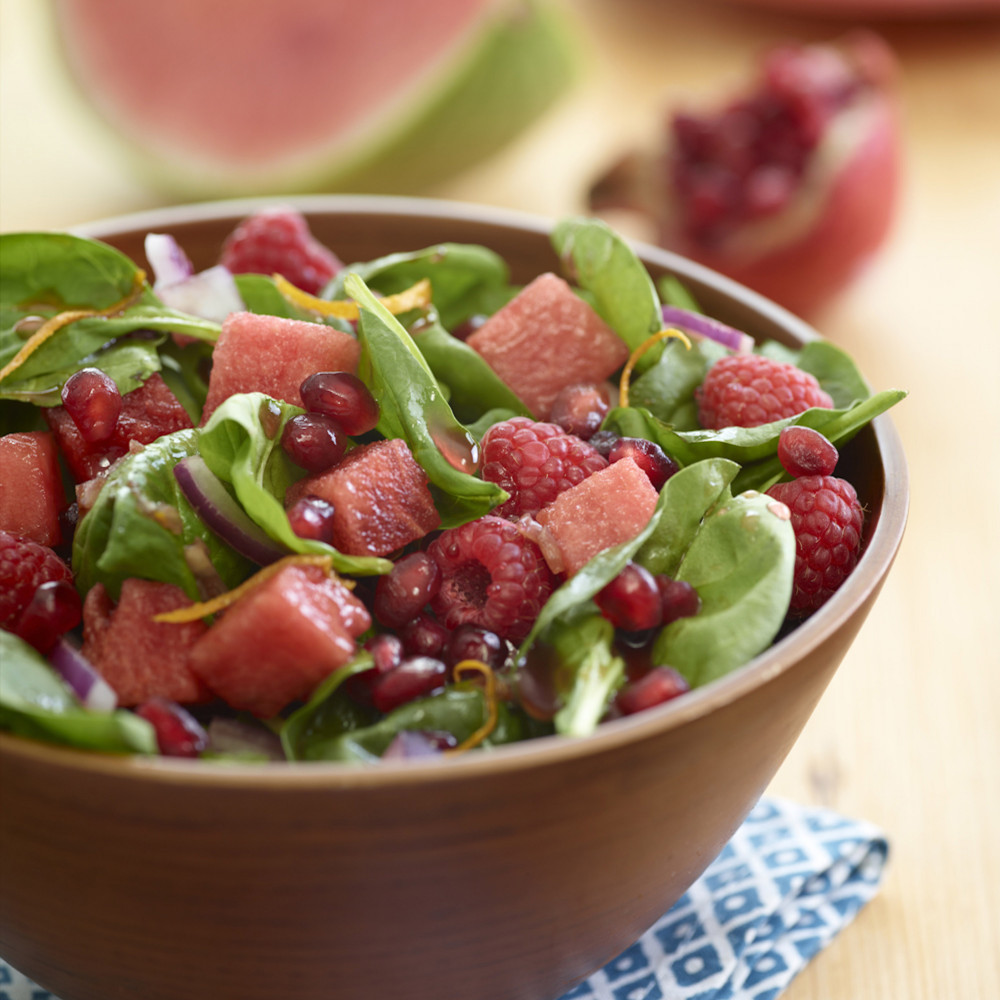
[909, 734]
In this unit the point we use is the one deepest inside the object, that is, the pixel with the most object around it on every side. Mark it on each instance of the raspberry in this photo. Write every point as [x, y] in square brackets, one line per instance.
[277, 240]
[746, 390]
[535, 462]
[827, 519]
[24, 567]
[491, 576]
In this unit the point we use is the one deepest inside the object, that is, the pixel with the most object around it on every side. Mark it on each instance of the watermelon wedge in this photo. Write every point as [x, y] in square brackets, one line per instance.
[293, 95]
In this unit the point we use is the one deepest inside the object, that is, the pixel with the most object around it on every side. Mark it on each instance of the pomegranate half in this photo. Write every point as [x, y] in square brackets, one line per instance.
[789, 187]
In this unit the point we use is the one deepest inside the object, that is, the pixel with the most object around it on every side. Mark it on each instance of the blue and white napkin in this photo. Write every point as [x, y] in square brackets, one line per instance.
[781, 889]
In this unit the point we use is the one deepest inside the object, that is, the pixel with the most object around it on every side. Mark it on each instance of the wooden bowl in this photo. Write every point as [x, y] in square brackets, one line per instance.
[492, 876]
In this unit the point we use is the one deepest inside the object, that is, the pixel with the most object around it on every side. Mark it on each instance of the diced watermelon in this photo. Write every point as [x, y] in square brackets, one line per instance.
[607, 508]
[279, 641]
[31, 488]
[148, 412]
[138, 657]
[273, 355]
[547, 338]
[380, 499]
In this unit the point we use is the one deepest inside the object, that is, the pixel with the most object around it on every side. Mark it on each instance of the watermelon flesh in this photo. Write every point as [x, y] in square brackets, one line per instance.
[273, 355]
[31, 488]
[545, 339]
[380, 498]
[276, 643]
[607, 508]
[138, 657]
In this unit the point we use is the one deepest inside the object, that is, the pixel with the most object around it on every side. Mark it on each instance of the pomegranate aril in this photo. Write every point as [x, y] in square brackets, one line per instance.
[470, 642]
[631, 601]
[678, 599]
[803, 451]
[313, 442]
[178, 733]
[604, 441]
[387, 653]
[312, 517]
[415, 677]
[404, 592]
[660, 685]
[648, 455]
[94, 402]
[580, 409]
[53, 610]
[343, 397]
[425, 636]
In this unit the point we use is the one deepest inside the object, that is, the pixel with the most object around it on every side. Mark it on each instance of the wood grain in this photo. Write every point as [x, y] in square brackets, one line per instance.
[908, 734]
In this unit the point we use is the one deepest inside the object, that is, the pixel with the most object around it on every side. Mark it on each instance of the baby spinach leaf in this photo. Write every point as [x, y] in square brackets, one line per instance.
[35, 702]
[473, 386]
[466, 279]
[667, 387]
[141, 525]
[414, 409]
[741, 563]
[241, 444]
[185, 370]
[835, 371]
[604, 264]
[673, 292]
[261, 295]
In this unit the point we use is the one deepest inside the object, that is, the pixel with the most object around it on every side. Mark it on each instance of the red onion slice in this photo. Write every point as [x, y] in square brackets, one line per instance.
[84, 680]
[236, 736]
[705, 326]
[211, 294]
[223, 515]
[169, 262]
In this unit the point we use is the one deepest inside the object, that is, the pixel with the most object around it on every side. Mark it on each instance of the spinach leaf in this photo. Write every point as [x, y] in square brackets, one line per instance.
[241, 444]
[142, 525]
[414, 409]
[261, 295]
[667, 387]
[186, 369]
[35, 702]
[473, 386]
[741, 563]
[466, 279]
[604, 264]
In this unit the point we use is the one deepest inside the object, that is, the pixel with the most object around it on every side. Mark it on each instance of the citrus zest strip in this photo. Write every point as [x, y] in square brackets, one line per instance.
[492, 714]
[63, 319]
[418, 296]
[203, 609]
[639, 352]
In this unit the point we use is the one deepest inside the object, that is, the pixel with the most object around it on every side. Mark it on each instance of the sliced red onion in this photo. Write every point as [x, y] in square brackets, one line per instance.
[169, 262]
[210, 294]
[84, 680]
[213, 504]
[235, 736]
[705, 326]
[410, 743]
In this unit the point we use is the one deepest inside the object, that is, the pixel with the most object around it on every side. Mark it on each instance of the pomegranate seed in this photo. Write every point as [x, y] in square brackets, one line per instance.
[660, 685]
[415, 677]
[678, 599]
[312, 517]
[387, 653]
[425, 636]
[470, 642]
[648, 455]
[465, 330]
[604, 441]
[178, 733]
[342, 397]
[94, 402]
[631, 601]
[313, 442]
[803, 451]
[402, 594]
[579, 409]
[53, 610]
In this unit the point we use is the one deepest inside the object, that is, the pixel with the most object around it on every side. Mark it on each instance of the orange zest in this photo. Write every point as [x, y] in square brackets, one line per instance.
[492, 710]
[670, 334]
[60, 320]
[418, 296]
[202, 609]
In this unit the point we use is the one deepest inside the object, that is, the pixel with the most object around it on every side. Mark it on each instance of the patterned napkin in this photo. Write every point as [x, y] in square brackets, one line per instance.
[779, 892]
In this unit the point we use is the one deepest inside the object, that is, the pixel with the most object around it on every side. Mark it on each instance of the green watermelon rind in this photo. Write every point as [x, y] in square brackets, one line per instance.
[523, 58]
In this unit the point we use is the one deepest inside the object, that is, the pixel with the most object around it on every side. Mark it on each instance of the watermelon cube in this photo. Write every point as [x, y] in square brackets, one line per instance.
[279, 641]
[607, 508]
[138, 657]
[31, 488]
[380, 499]
[545, 339]
[273, 355]
[148, 412]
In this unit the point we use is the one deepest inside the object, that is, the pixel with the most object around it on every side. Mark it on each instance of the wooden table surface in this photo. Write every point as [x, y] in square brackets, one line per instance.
[908, 735]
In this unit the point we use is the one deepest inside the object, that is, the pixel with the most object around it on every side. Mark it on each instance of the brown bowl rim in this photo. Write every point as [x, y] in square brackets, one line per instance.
[545, 751]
